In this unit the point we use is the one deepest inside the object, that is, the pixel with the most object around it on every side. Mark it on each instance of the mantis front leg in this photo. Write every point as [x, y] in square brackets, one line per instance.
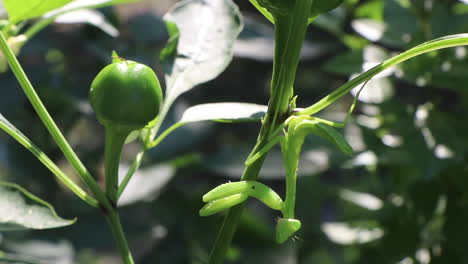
[229, 194]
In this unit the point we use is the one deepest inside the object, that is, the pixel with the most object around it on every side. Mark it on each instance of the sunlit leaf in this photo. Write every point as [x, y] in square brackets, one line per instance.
[224, 112]
[20, 209]
[361, 199]
[372, 30]
[25, 9]
[146, 184]
[345, 234]
[205, 44]
[324, 6]
[263, 11]
[40, 251]
[91, 17]
[85, 4]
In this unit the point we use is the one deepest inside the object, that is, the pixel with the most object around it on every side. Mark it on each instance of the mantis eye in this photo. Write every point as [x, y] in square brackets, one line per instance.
[285, 228]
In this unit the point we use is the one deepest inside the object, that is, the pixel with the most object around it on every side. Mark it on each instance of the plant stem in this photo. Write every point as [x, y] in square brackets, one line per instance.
[110, 211]
[436, 44]
[43, 23]
[135, 164]
[289, 36]
[163, 135]
[113, 220]
[149, 143]
[38, 26]
[50, 123]
[115, 141]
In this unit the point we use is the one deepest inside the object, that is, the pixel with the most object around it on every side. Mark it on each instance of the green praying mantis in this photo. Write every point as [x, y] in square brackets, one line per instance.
[291, 135]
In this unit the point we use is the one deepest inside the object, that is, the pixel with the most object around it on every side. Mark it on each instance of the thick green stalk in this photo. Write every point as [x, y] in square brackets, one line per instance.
[115, 141]
[113, 220]
[49, 123]
[289, 36]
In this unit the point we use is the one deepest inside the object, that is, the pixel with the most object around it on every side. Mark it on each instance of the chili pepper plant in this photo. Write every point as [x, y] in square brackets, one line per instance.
[127, 99]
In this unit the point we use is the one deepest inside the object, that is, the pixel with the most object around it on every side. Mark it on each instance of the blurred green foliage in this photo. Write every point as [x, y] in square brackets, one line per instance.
[400, 199]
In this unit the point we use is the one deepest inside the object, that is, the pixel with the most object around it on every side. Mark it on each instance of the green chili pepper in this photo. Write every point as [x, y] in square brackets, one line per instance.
[126, 96]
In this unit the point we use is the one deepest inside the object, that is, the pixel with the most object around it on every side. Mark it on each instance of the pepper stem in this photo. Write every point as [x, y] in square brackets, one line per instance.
[115, 140]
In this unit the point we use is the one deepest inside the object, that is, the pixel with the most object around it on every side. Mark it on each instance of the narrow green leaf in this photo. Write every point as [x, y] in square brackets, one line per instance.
[224, 112]
[205, 44]
[326, 132]
[19, 10]
[20, 210]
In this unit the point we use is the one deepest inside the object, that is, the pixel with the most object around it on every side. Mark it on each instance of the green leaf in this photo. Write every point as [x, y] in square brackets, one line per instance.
[85, 4]
[92, 17]
[224, 112]
[169, 53]
[19, 10]
[327, 132]
[20, 210]
[263, 11]
[220, 112]
[208, 30]
[324, 6]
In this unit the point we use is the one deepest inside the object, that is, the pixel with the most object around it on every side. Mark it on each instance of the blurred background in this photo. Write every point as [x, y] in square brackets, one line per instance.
[402, 198]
